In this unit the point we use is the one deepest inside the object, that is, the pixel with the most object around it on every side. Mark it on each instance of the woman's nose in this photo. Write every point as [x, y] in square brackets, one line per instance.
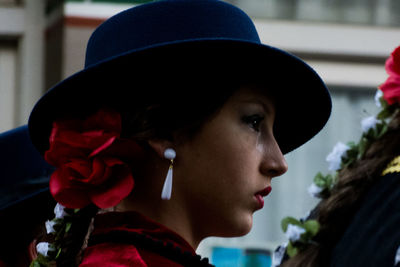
[273, 162]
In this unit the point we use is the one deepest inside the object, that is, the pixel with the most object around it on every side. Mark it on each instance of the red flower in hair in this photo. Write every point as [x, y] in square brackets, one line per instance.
[391, 87]
[87, 154]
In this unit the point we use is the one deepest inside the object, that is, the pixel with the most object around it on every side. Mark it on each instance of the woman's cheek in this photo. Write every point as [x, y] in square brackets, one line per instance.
[260, 147]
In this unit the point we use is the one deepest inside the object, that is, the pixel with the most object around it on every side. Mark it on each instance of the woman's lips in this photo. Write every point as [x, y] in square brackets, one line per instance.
[265, 191]
[260, 194]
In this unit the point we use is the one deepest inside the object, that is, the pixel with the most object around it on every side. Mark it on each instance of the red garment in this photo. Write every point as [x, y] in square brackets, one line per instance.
[120, 251]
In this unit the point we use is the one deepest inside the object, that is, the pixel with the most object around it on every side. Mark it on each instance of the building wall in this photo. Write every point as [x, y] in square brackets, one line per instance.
[53, 54]
[23, 42]
[77, 31]
[8, 80]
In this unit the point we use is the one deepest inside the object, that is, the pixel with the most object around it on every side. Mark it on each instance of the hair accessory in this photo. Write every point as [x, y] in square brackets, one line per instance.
[170, 154]
[88, 155]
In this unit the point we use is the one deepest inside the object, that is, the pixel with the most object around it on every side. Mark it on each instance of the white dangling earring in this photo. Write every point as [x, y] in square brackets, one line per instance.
[170, 154]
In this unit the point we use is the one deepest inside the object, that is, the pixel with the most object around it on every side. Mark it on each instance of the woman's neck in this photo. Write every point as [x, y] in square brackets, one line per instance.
[166, 212]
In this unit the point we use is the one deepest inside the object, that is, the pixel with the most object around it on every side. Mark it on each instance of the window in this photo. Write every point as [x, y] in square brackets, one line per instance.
[369, 12]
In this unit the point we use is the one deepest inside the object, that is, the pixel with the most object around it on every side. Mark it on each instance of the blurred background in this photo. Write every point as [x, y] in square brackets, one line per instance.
[345, 41]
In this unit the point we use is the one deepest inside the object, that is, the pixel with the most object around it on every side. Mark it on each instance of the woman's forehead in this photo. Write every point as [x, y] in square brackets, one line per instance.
[254, 94]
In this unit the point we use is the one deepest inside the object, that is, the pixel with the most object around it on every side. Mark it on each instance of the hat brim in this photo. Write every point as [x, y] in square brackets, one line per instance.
[24, 172]
[303, 101]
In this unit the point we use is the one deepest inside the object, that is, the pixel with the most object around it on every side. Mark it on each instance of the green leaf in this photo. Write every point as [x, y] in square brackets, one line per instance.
[312, 226]
[325, 183]
[68, 226]
[35, 263]
[352, 144]
[291, 250]
[364, 144]
[329, 181]
[41, 260]
[383, 102]
[58, 221]
[385, 113]
[351, 155]
[320, 180]
[58, 254]
[334, 180]
[353, 152]
[383, 130]
[289, 220]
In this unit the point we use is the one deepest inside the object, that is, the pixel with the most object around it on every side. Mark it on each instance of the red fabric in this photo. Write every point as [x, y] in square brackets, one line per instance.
[123, 255]
[112, 255]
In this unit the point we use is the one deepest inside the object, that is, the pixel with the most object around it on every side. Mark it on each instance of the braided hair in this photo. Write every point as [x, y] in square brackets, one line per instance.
[334, 213]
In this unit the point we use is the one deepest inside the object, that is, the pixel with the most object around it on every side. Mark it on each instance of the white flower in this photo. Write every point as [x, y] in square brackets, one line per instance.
[335, 157]
[50, 226]
[43, 248]
[278, 255]
[293, 232]
[59, 211]
[314, 190]
[378, 95]
[368, 123]
[397, 257]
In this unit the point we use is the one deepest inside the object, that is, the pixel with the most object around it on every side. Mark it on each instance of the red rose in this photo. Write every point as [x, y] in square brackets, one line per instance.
[86, 154]
[391, 87]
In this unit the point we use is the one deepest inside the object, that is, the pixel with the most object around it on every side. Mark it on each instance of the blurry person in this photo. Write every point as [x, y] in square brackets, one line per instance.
[359, 216]
[24, 183]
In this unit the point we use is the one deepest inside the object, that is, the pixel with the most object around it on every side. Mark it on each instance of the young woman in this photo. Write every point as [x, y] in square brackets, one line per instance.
[172, 133]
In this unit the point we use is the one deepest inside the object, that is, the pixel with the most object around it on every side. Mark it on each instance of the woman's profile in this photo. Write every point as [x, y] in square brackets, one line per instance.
[170, 134]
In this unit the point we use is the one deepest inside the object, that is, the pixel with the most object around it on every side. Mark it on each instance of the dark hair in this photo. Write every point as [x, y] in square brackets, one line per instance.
[181, 113]
[335, 212]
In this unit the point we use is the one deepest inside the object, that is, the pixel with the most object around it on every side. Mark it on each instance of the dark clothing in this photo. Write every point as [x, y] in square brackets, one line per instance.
[373, 235]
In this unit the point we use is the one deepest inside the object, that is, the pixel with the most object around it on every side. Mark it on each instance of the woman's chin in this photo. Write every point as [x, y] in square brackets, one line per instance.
[239, 227]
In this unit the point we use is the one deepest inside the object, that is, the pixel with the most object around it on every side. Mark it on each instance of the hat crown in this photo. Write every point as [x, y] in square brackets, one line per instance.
[168, 21]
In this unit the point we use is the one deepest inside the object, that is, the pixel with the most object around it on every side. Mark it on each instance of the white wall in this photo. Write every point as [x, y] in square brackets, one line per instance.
[31, 76]
[21, 67]
[8, 79]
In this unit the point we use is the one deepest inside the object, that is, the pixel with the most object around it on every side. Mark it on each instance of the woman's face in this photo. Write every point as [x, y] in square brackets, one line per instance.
[226, 169]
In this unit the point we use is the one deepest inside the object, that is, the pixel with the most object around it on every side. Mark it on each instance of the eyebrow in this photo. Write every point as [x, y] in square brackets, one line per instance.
[266, 107]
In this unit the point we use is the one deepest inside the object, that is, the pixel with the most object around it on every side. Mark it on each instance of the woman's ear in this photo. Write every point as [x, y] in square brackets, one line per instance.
[159, 146]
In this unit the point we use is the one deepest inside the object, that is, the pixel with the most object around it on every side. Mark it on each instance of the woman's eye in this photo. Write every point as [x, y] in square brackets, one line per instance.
[253, 121]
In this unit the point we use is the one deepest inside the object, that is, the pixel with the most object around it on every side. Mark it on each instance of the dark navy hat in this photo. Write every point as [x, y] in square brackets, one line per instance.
[168, 47]
[25, 201]
[24, 173]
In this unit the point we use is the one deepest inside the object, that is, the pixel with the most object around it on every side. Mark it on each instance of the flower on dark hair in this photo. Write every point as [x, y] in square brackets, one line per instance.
[387, 99]
[391, 87]
[300, 233]
[335, 157]
[88, 156]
